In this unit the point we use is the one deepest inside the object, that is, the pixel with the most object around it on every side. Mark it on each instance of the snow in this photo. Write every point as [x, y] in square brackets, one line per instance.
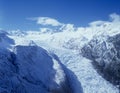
[5, 41]
[31, 69]
[90, 80]
[53, 71]
[104, 52]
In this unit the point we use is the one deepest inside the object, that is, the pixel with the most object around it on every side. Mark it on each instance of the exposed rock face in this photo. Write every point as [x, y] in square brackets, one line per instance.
[104, 51]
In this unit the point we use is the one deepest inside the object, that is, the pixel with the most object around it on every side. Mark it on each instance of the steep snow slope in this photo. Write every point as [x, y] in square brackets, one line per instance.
[42, 72]
[5, 41]
[31, 69]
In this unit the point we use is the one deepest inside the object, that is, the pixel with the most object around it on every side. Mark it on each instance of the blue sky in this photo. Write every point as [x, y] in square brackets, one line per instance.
[14, 14]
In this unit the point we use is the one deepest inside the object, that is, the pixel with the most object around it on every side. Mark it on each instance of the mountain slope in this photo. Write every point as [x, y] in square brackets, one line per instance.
[5, 41]
[68, 47]
[104, 52]
[25, 67]
[31, 69]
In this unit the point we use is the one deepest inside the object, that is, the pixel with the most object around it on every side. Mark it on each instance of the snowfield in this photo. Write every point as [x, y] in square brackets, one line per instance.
[60, 60]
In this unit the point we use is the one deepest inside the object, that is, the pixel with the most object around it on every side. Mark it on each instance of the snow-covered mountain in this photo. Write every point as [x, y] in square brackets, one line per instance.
[104, 51]
[5, 41]
[31, 69]
[87, 59]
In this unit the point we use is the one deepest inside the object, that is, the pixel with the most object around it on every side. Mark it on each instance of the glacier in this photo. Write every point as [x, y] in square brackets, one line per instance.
[66, 59]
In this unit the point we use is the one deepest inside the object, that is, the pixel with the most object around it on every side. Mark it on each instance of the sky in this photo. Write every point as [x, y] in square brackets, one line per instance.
[25, 14]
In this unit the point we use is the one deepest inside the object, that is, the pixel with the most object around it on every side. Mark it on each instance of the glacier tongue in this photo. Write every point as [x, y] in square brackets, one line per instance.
[90, 80]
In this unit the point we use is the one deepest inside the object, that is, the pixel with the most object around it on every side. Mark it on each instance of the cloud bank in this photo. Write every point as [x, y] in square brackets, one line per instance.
[94, 27]
[46, 21]
[115, 17]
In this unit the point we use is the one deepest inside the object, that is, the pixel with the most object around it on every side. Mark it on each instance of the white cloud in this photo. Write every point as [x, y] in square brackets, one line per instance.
[46, 21]
[94, 27]
[96, 23]
[115, 17]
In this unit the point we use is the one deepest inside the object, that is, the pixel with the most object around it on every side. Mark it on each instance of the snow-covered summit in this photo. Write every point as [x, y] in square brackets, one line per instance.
[5, 40]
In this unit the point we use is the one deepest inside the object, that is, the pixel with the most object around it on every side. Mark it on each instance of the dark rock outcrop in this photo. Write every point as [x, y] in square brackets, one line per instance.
[104, 51]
